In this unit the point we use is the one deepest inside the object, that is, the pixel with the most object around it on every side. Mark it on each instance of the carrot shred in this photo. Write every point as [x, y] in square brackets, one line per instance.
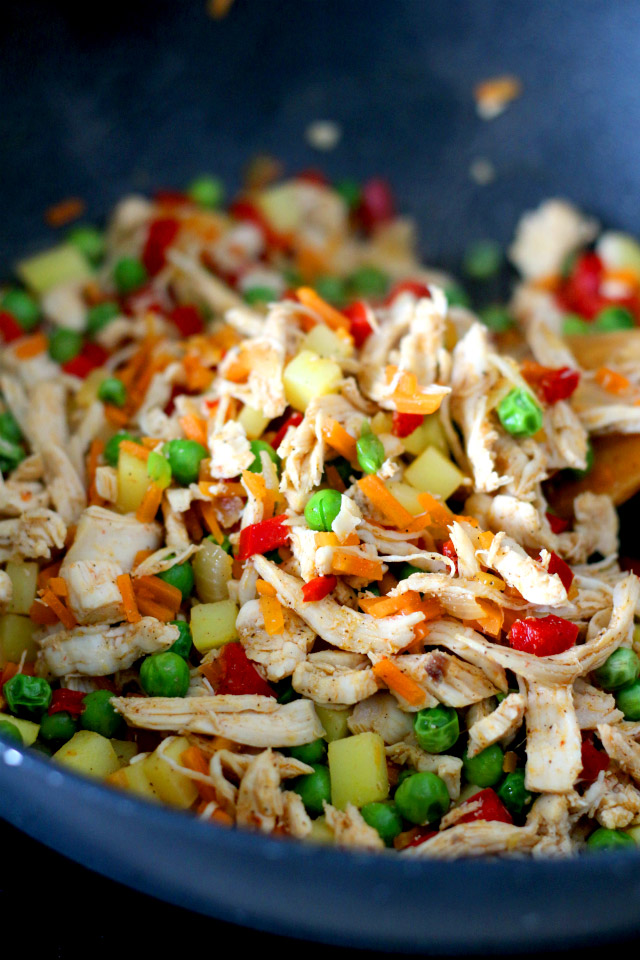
[47, 573]
[383, 606]
[131, 612]
[350, 564]
[485, 539]
[439, 513]
[115, 416]
[64, 212]
[41, 614]
[272, 615]
[208, 513]
[134, 449]
[611, 381]
[31, 346]
[376, 491]
[197, 375]
[64, 615]
[399, 682]
[255, 484]
[334, 479]
[140, 557]
[150, 503]
[408, 395]
[340, 439]
[149, 608]
[265, 589]
[490, 579]
[332, 317]
[239, 369]
[157, 589]
[491, 621]
[58, 585]
[194, 428]
[194, 759]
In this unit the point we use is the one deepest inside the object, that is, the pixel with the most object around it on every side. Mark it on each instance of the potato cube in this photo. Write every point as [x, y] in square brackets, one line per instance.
[213, 624]
[27, 728]
[134, 778]
[16, 638]
[434, 473]
[358, 768]
[326, 342]
[24, 578]
[281, 206]
[406, 495]
[133, 482]
[321, 832]
[382, 423]
[170, 785]
[125, 750]
[308, 376]
[253, 421]
[429, 434]
[334, 721]
[61, 264]
[89, 753]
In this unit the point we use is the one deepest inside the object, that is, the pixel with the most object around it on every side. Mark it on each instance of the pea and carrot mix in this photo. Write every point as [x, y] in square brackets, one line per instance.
[293, 539]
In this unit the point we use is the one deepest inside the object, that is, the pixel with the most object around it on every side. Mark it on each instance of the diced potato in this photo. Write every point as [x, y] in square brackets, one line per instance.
[170, 785]
[434, 473]
[328, 343]
[125, 750]
[334, 721]
[281, 206]
[27, 728]
[406, 495]
[134, 778]
[358, 768]
[381, 422]
[308, 376]
[634, 832]
[619, 251]
[213, 624]
[253, 421]
[61, 264]
[88, 390]
[212, 570]
[16, 638]
[89, 753]
[321, 832]
[24, 578]
[133, 482]
[428, 434]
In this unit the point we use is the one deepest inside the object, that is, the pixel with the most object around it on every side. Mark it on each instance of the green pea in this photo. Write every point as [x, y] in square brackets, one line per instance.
[322, 509]
[314, 788]
[619, 669]
[9, 732]
[436, 728]
[628, 700]
[368, 282]
[64, 344]
[57, 727]
[98, 714]
[260, 294]
[422, 798]
[485, 769]
[370, 450]
[519, 413]
[404, 775]
[406, 570]
[483, 259]
[313, 752]
[574, 325]
[513, 792]
[129, 274]
[100, 316]
[184, 458]
[256, 447]
[603, 839]
[497, 318]
[11, 454]
[350, 191]
[24, 308]
[9, 427]
[27, 695]
[332, 289]
[182, 646]
[614, 318]
[383, 816]
[373, 588]
[180, 575]
[206, 191]
[89, 241]
[457, 296]
[165, 675]
[112, 390]
[158, 469]
[112, 446]
[590, 459]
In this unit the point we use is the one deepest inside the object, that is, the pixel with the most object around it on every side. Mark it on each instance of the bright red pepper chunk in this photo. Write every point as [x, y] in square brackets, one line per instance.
[487, 805]
[552, 384]
[90, 358]
[376, 203]
[415, 287]
[293, 421]
[10, 329]
[162, 233]
[187, 319]
[593, 761]
[449, 551]
[263, 537]
[543, 636]
[69, 701]
[557, 524]
[318, 588]
[238, 675]
[405, 423]
[171, 198]
[580, 293]
[422, 836]
[564, 571]
[359, 326]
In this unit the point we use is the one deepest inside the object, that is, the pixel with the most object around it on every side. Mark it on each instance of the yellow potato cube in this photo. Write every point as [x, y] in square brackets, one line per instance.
[133, 482]
[125, 750]
[434, 473]
[89, 753]
[406, 495]
[358, 768]
[326, 342]
[429, 434]
[27, 728]
[170, 785]
[253, 421]
[321, 832]
[308, 376]
[16, 638]
[281, 206]
[381, 422]
[213, 624]
[135, 779]
[334, 721]
[61, 264]
[24, 579]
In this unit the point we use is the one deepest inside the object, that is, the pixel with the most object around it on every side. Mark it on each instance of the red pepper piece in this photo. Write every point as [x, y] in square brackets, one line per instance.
[551, 383]
[593, 760]
[405, 423]
[293, 421]
[313, 176]
[449, 551]
[359, 326]
[564, 571]
[263, 537]
[543, 636]
[415, 287]
[90, 358]
[557, 524]
[318, 588]
[422, 836]
[490, 807]
[162, 233]
[580, 293]
[10, 329]
[67, 700]
[171, 198]
[187, 319]
[376, 203]
[238, 675]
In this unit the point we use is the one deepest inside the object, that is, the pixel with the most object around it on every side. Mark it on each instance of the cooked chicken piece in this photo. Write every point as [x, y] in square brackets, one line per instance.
[105, 535]
[107, 483]
[294, 819]
[65, 306]
[444, 679]
[547, 347]
[381, 714]
[252, 720]
[302, 541]
[546, 236]
[226, 761]
[46, 419]
[478, 711]
[594, 706]
[266, 353]
[340, 626]
[6, 590]
[278, 653]
[622, 748]
[459, 597]
[502, 722]
[551, 819]
[348, 518]
[618, 632]
[463, 544]
[63, 483]
[351, 830]
[17, 497]
[32, 536]
[480, 838]
[90, 427]
[447, 768]
[566, 438]
[613, 800]
[94, 596]
[29, 470]
[518, 570]
[97, 651]
[212, 291]
[230, 451]
[259, 805]
[554, 757]
[335, 677]
[163, 559]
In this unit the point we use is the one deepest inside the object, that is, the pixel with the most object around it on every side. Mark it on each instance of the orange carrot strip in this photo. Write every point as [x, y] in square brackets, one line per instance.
[382, 606]
[485, 539]
[135, 449]
[64, 212]
[355, 566]
[332, 317]
[490, 579]
[157, 589]
[375, 490]
[254, 483]
[208, 513]
[611, 381]
[31, 346]
[115, 416]
[239, 369]
[265, 589]
[194, 428]
[64, 615]
[194, 759]
[131, 612]
[399, 682]
[150, 503]
[327, 539]
[340, 439]
[272, 615]
[493, 618]
[198, 376]
[408, 395]
[41, 614]
[140, 557]
[438, 512]
[47, 573]
[58, 585]
[334, 479]
[149, 608]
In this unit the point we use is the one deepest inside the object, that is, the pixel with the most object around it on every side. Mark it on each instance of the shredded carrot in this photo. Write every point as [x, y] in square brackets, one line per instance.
[115, 416]
[134, 449]
[376, 491]
[64, 212]
[64, 615]
[140, 557]
[58, 585]
[131, 612]
[383, 606]
[327, 539]
[332, 317]
[611, 381]
[150, 503]
[438, 512]
[10, 670]
[205, 488]
[624, 275]
[408, 395]
[194, 759]
[265, 589]
[150, 442]
[31, 346]
[208, 513]
[239, 369]
[334, 479]
[157, 589]
[47, 573]
[340, 439]
[355, 566]
[490, 579]
[198, 376]
[254, 483]
[272, 615]
[491, 621]
[485, 539]
[194, 428]
[149, 608]
[399, 682]
[41, 614]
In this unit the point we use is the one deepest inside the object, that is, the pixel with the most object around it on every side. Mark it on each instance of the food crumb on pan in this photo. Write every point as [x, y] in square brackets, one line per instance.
[64, 212]
[323, 134]
[482, 171]
[494, 95]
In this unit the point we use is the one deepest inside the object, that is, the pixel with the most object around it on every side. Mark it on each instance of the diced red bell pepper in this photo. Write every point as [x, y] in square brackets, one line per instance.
[10, 329]
[263, 537]
[580, 293]
[543, 636]
[405, 423]
[557, 524]
[593, 760]
[293, 421]
[162, 233]
[449, 551]
[313, 176]
[551, 383]
[376, 203]
[188, 320]
[423, 834]
[69, 701]
[90, 358]
[359, 327]
[318, 588]
[490, 807]
[564, 571]
[238, 675]
[171, 198]
[415, 287]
